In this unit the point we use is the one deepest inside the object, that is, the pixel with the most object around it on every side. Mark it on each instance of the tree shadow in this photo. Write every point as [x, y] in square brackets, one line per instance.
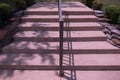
[37, 53]
[24, 59]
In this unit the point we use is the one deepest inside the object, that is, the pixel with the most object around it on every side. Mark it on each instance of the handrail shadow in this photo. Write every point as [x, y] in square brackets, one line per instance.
[68, 58]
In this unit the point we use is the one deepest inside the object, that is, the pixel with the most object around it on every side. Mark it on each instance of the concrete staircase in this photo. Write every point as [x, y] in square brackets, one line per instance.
[36, 46]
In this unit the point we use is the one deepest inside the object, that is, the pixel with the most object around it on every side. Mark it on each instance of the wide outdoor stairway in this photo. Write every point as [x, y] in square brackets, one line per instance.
[34, 55]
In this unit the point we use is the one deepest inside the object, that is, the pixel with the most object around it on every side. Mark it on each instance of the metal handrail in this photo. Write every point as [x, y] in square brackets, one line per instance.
[61, 26]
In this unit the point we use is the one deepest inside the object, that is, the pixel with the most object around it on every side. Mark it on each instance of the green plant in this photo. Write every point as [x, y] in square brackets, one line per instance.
[83, 1]
[89, 3]
[4, 1]
[19, 4]
[45, 0]
[112, 12]
[5, 11]
[29, 2]
[118, 23]
[97, 4]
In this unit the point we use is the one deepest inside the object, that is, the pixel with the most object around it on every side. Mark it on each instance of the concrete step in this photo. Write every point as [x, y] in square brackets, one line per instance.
[93, 47]
[91, 62]
[53, 36]
[55, 12]
[54, 18]
[76, 26]
[70, 68]
[29, 59]
[54, 75]
[51, 8]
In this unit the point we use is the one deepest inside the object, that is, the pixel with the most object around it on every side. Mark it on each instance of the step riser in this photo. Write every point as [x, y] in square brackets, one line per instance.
[96, 28]
[56, 13]
[94, 51]
[57, 39]
[82, 68]
[56, 20]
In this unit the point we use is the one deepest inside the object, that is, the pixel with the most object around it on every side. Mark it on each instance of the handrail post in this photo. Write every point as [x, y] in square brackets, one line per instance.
[61, 48]
[61, 25]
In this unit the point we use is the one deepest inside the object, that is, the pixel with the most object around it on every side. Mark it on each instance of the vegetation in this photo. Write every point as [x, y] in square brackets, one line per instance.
[5, 11]
[97, 4]
[29, 2]
[19, 4]
[111, 2]
[89, 3]
[8, 7]
[118, 23]
[112, 12]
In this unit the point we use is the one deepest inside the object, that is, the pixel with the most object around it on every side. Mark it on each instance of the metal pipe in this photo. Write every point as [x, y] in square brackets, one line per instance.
[61, 25]
[60, 10]
[61, 48]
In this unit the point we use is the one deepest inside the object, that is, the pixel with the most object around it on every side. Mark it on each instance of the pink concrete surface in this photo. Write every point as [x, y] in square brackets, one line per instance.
[52, 34]
[54, 45]
[56, 17]
[77, 47]
[83, 53]
[67, 6]
[72, 24]
[29, 59]
[53, 75]
[92, 45]
[97, 59]
[47, 59]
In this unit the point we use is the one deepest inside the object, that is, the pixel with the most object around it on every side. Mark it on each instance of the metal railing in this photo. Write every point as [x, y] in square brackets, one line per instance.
[61, 26]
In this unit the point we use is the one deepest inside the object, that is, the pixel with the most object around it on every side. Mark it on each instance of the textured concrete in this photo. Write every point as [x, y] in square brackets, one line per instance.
[46, 6]
[70, 8]
[76, 26]
[96, 59]
[53, 59]
[55, 18]
[54, 36]
[53, 75]
[86, 55]
[53, 47]
[29, 59]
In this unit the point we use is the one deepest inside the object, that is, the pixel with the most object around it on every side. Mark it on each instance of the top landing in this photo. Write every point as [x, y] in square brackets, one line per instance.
[53, 6]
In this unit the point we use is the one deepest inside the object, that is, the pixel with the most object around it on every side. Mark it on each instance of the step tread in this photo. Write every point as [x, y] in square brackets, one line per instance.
[54, 75]
[53, 59]
[66, 6]
[93, 45]
[75, 24]
[96, 59]
[42, 9]
[55, 34]
[56, 16]
[29, 59]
